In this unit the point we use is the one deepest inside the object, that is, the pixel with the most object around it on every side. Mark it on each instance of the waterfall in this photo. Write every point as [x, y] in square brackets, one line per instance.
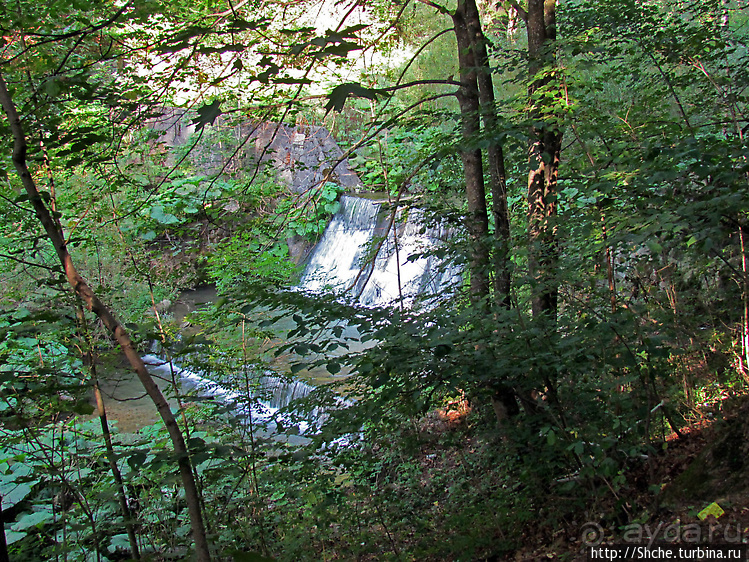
[271, 392]
[334, 262]
[341, 261]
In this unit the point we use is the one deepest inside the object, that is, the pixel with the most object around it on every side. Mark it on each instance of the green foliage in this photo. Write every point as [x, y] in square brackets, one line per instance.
[242, 257]
[46, 470]
[309, 219]
[207, 114]
[40, 378]
[388, 163]
[176, 206]
[652, 212]
[337, 98]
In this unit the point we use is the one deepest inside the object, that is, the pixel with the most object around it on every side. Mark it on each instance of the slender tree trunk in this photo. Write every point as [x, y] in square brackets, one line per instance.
[121, 496]
[745, 300]
[609, 265]
[477, 222]
[90, 361]
[495, 157]
[504, 400]
[92, 302]
[544, 155]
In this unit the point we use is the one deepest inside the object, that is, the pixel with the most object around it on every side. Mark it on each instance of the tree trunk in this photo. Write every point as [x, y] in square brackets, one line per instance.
[476, 99]
[503, 398]
[121, 496]
[477, 222]
[544, 155]
[89, 360]
[495, 157]
[92, 302]
[4, 557]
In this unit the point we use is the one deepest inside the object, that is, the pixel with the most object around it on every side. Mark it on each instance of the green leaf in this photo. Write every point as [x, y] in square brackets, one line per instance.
[207, 114]
[333, 207]
[14, 494]
[551, 438]
[159, 215]
[136, 460]
[36, 519]
[11, 490]
[13, 536]
[713, 509]
[337, 98]
[84, 408]
[340, 50]
[654, 246]
[182, 39]
[52, 87]
[352, 30]
[120, 541]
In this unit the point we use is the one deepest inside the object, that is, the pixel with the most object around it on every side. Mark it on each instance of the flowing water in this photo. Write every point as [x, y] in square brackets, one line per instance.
[270, 393]
[359, 256]
[126, 401]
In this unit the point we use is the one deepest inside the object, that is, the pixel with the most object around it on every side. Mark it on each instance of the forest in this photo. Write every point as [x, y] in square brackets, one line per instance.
[429, 280]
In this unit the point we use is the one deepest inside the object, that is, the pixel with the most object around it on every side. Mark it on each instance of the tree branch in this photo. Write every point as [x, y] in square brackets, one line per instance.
[51, 38]
[420, 83]
[441, 9]
[231, 11]
[82, 289]
[29, 263]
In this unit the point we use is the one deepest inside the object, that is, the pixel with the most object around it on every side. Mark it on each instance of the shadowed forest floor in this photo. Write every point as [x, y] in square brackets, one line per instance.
[665, 495]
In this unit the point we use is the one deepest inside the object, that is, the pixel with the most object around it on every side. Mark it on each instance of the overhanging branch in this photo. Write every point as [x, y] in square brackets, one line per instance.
[83, 289]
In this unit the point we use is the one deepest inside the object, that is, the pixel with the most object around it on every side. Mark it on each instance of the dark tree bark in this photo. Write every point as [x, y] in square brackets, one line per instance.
[477, 222]
[504, 399]
[90, 362]
[544, 156]
[4, 557]
[495, 157]
[112, 459]
[477, 102]
[92, 302]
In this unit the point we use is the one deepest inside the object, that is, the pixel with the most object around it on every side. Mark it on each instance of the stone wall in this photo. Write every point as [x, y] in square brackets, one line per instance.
[298, 156]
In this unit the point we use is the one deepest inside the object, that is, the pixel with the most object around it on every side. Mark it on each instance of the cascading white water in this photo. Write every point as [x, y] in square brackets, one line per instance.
[341, 261]
[271, 392]
[334, 262]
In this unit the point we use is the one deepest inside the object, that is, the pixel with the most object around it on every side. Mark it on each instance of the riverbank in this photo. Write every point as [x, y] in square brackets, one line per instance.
[128, 407]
